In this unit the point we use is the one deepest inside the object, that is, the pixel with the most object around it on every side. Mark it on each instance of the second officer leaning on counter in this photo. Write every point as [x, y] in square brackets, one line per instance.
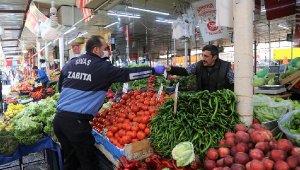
[83, 84]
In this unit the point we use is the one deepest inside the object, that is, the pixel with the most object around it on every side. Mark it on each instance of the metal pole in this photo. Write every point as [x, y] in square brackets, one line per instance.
[38, 48]
[270, 54]
[292, 40]
[185, 52]
[127, 42]
[255, 56]
[61, 52]
[243, 56]
[174, 51]
[196, 48]
[169, 48]
[46, 54]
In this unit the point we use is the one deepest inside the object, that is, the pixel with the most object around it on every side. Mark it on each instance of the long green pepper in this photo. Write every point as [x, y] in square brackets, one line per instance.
[202, 118]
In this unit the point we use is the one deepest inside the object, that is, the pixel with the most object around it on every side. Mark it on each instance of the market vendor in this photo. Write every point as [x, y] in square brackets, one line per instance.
[76, 50]
[211, 72]
[41, 76]
[83, 84]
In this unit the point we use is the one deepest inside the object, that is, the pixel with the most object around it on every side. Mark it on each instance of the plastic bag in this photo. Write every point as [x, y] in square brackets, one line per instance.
[263, 72]
[295, 138]
[261, 100]
[266, 109]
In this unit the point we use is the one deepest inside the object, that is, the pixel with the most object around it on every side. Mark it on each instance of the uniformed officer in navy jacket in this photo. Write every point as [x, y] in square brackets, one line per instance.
[83, 83]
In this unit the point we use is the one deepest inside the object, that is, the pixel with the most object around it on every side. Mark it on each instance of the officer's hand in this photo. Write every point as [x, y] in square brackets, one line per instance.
[159, 69]
[167, 67]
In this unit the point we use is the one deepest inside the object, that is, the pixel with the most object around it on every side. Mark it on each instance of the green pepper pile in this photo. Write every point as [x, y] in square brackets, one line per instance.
[201, 118]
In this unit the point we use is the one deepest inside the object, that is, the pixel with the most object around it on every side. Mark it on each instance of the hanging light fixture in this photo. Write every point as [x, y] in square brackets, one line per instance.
[147, 10]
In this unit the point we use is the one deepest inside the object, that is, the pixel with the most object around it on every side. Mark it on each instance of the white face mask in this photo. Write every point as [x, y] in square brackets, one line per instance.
[105, 54]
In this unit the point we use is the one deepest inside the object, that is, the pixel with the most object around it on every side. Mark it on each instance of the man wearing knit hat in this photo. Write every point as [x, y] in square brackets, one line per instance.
[75, 50]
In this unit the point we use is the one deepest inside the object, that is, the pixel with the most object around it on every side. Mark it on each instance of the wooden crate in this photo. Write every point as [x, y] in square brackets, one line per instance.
[290, 78]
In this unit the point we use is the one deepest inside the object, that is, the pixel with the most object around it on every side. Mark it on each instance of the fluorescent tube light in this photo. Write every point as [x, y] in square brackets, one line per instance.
[123, 15]
[263, 9]
[70, 30]
[147, 10]
[284, 27]
[82, 34]
[111, 24]
[164, 21]
[12, 52]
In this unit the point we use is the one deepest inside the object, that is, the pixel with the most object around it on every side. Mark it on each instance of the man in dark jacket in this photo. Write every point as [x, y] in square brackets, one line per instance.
[83, 83]
[212, 73]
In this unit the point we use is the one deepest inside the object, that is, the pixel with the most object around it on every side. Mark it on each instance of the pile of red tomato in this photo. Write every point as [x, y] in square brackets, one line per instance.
[128, 121]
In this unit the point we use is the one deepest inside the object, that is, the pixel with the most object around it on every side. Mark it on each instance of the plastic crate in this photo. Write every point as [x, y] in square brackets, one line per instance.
[111, 148]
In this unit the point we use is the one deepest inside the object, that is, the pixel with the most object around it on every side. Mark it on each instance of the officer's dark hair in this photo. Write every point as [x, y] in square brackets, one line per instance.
[93, 42]
[34, 67]
[212, 48]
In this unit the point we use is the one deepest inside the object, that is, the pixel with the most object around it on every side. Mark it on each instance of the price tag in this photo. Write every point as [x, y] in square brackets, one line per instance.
[176, 97]
[125, 87]
[160, 91]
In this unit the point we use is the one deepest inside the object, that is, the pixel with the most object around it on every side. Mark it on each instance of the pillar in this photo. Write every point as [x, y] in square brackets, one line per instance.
[46, 54]
[243, 58]
[186, 53]
[38, 48]
[61, 52]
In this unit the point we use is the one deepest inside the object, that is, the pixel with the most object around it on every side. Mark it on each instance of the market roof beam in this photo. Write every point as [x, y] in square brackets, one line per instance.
[12, 29]
[9, 40]
[10, 46]
[28, 2]
[11, 11]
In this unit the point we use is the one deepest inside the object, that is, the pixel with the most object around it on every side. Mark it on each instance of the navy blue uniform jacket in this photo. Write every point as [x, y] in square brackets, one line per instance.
[84, 81]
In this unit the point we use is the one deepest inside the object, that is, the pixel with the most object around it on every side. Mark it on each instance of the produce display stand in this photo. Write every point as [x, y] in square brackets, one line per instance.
[25, 101]
[43, 144]
[52, 82]
[108, 155]
[133, 151]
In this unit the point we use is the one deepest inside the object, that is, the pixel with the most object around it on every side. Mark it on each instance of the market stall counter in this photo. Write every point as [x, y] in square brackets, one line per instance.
[45, 143]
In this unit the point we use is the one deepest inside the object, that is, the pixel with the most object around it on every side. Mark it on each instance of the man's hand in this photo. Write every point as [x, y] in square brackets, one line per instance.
[167, 67]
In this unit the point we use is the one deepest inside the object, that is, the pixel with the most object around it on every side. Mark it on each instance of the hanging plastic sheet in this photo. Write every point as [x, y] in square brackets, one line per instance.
[206, 13]
[40, 25]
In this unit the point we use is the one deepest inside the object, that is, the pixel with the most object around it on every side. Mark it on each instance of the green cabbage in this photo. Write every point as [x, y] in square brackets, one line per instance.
[258, 81]
[183, 153]
[271, 82]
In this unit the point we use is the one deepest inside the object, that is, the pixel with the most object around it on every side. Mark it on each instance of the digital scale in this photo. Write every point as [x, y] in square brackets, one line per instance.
[273, 89]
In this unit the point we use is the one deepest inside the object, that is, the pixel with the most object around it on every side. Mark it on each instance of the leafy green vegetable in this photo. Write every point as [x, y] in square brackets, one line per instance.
[268, 109]
[183, 153]
[294, 124]
[8, 143]
[48, 129]
[34, 119]
[27, 131]
[257, 82]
